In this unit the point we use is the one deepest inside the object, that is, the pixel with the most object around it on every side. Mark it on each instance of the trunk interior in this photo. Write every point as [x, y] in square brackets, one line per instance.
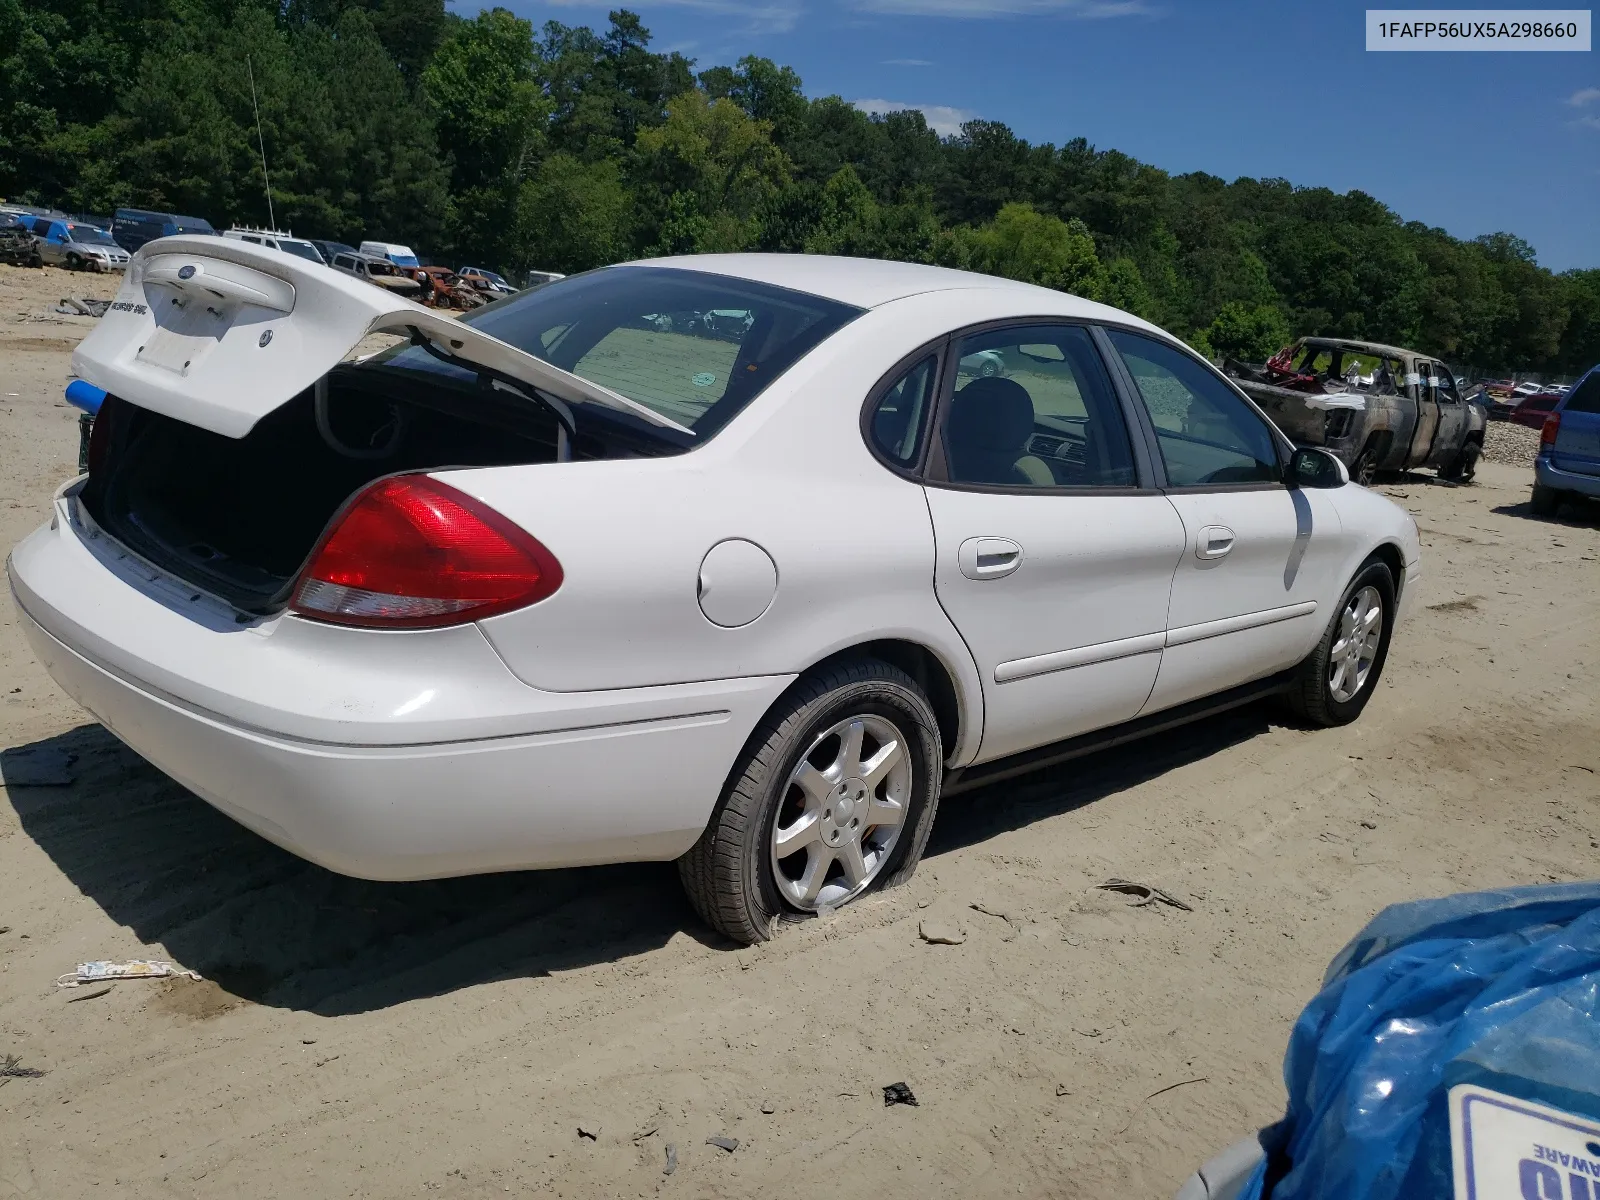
[239, 517]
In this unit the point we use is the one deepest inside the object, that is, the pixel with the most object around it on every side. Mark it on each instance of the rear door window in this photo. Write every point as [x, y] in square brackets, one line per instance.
[1034, 408]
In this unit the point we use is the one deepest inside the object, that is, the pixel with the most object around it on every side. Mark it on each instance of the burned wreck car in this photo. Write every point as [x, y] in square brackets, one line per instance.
[1376, 407]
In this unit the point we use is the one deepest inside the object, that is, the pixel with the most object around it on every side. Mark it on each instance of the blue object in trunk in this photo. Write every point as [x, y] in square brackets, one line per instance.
[86, 396]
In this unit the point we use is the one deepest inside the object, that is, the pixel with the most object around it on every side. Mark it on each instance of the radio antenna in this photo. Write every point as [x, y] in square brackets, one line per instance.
[272, 221]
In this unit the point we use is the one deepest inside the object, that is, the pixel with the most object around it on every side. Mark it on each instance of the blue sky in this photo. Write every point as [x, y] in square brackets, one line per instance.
[1472, 142]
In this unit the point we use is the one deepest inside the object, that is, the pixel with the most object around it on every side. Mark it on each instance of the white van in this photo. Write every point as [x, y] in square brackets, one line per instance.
[286, 242]
[400, 256]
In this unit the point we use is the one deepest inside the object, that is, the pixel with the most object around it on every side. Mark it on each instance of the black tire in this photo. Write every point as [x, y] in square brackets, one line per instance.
[1311, 696]
[728, 873]
[74, 263]
[1464, 465]
[1544, 501]
[1365, 468]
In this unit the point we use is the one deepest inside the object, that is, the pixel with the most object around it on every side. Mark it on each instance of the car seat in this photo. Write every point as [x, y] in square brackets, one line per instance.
[987, 433]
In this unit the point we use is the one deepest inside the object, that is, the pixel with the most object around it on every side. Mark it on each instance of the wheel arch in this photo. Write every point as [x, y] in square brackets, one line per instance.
[959, 716]
[1390, 554]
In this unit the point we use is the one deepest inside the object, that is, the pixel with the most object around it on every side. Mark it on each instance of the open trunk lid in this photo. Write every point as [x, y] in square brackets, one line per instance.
[217, 334]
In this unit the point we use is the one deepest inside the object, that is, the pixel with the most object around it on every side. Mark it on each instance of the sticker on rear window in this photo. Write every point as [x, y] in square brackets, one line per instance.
[1505, 1146]
[704, 379]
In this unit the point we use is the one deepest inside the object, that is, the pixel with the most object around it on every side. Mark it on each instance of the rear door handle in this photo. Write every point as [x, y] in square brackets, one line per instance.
[988, 557]
[1214, 541]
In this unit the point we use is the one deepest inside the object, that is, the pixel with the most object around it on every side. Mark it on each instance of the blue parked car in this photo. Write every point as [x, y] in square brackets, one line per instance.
[1568, 465]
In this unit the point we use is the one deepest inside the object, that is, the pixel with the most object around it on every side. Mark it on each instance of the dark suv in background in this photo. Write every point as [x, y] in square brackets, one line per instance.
[133, 227]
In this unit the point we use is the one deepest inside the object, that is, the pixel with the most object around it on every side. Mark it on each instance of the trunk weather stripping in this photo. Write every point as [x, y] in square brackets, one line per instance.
[487, 376]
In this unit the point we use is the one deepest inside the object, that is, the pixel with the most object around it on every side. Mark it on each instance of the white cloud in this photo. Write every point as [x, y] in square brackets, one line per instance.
[907, 62]
[941, 118]
[775, 16]
[1589, 122]
[1007, 8]
[1585, 96]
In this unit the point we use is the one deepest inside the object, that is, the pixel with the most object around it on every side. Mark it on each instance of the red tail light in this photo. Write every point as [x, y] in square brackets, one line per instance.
[1547, 434]
[410, 552]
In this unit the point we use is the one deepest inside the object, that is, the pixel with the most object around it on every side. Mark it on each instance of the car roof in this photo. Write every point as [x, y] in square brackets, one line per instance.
[869, 282]
[1365, 347]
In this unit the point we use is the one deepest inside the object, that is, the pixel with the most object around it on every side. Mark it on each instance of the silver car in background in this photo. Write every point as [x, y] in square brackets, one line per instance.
[77, 246]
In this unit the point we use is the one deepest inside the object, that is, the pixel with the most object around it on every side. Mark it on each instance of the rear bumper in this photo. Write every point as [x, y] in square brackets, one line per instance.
[1548, 475]
[344, 774]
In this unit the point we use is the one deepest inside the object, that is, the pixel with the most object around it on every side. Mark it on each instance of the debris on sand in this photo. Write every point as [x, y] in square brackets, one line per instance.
[942, 933]
[11, 1068]
[1144, 894]
[723, 1142]
[106, 972]
[899, 1093]
[77, 306]
[590, 1131]
[672, 1159]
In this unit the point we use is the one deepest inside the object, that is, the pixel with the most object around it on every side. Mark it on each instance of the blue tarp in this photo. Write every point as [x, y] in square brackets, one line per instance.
[1496, 988]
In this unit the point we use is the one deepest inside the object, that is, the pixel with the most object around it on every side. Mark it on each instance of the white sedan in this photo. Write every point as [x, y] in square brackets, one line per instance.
[558, 584]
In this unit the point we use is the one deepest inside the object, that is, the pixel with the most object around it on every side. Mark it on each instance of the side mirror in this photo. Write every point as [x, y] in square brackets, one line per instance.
[1311, 468]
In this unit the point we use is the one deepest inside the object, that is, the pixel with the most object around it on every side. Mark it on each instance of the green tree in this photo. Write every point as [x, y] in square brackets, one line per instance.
[1241, 331]
[713, 151]
[572, 216]
[1023, 243]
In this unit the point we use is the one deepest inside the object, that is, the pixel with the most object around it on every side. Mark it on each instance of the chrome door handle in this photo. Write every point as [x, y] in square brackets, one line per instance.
[988, 557]
[1214, 541]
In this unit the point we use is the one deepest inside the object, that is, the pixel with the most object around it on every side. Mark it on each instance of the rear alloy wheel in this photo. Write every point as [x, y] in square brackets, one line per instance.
[835, 794]
[1335, 682]
[1544, 501]
[842, 814]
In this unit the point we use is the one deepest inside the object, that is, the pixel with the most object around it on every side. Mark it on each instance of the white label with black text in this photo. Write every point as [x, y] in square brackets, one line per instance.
[1505, 1148]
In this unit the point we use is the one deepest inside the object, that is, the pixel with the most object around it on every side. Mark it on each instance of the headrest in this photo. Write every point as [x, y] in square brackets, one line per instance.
[991, 414]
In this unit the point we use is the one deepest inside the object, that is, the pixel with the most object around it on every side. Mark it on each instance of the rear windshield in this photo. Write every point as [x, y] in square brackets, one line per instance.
[694, 347]
[303, 250]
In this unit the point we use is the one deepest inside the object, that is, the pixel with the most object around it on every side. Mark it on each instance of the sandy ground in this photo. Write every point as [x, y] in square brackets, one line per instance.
[356, 1039]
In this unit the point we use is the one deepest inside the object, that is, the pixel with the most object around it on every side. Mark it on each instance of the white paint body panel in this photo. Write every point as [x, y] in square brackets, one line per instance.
[1245, 615]
[600, 724]
[1069, 641]
[248, 328]
[382, 755]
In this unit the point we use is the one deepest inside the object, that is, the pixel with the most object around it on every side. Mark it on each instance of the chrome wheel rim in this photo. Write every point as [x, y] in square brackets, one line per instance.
[1355, 645]
[841, 813]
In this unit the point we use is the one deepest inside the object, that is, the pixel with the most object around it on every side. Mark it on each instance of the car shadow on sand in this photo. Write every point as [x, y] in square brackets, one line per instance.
[272, 929]
[976, 816]
[1576, 513]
